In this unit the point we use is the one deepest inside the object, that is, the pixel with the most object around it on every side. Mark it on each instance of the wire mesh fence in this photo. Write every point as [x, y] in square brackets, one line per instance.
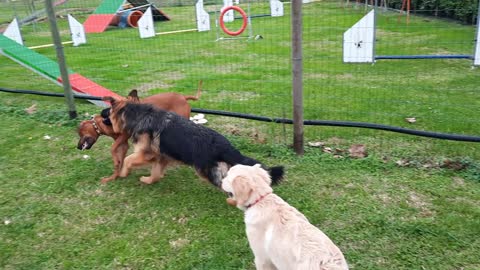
[251, 72]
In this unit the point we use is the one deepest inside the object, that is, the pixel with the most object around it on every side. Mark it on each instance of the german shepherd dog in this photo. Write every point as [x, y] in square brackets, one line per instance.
[90, 130]
[160, 137]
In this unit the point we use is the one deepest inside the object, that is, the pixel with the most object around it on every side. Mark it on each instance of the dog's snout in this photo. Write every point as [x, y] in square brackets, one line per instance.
[85, 143]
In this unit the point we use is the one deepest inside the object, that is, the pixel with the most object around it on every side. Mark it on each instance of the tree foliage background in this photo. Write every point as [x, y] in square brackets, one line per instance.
[464, 11]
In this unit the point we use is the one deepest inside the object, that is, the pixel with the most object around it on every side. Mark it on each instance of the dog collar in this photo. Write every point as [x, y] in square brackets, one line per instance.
[258, 200]
[95, 126]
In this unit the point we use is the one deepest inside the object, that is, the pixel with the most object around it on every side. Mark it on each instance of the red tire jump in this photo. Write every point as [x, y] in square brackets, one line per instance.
[244, 24]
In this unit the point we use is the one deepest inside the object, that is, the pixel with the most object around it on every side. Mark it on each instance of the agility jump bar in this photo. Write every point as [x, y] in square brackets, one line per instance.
[390, 57]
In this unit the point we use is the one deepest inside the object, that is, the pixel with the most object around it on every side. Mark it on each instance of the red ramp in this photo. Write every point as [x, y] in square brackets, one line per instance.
[97, 23]
[86, 86]
[49, 69]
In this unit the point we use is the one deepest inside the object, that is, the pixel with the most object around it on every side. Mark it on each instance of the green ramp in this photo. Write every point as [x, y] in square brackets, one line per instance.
[108, 7]
[29, 58]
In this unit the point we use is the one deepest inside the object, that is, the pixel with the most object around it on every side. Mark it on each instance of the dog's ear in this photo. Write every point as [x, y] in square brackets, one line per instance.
[105, 113]
[262, 174]
[242, 189]
[133, 96]
[109, 99]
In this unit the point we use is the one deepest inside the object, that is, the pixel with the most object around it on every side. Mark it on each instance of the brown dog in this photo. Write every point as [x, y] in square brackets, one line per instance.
[90, 130]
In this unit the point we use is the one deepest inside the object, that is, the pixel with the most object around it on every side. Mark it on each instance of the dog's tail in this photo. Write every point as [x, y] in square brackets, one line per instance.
[199, 92]
[276, 174]
[234, 157]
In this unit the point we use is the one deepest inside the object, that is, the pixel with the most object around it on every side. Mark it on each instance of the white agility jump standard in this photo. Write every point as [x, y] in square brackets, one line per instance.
[228, 16]
[359, 45]
[276, 8]
[146, 28]
[476, 56]
[13, 32]
[203, 18]
[359, 41]
[76, 30]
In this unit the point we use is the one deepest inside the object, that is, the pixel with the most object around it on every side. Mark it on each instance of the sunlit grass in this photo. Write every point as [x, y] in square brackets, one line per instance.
[411, 204]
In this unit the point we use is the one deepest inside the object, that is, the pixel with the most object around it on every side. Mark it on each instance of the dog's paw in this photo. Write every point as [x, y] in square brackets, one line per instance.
[123, 173]
[106, 179]
[147, 180]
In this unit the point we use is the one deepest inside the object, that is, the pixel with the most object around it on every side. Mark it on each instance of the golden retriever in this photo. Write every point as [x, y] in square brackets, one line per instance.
[279, 235]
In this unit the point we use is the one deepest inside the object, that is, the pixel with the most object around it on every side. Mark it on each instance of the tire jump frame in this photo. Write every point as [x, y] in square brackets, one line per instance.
[244, 21]
[227, 15]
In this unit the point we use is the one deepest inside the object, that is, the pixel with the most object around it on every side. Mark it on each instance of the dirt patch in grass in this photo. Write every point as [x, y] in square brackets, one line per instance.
[421, 203]
[316, 76]
[173, 75]
[239, 127]
[384, 198]
[229, 68]
[179, 243]
[458, 181]
[144, 89]
[225, 96]
[164, 83]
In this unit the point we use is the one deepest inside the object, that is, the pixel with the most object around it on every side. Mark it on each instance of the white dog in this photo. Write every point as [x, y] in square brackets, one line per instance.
[279, 235]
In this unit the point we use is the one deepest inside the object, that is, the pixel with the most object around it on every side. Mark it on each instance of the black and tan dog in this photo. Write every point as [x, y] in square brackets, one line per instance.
[90, 130]
[160, 137]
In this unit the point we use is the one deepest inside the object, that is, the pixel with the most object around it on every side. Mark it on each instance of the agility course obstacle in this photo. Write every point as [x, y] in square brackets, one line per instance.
[276, 10]
[102, 16]
[222, 21]
[359, 41]
[227, 15]
[202, 16]
[49, 69]
[13, 32]
[145, 24]
[359, 44]
[48, 45]
[76, 29]
[146, 28]
[120, 13]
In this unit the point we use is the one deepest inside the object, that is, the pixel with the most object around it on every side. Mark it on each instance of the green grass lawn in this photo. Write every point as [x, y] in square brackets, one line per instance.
[412, 203]
[56, 215]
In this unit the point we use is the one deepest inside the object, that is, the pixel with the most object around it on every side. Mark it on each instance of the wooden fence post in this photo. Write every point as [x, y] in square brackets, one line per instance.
[67, 89]
[297, 70]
